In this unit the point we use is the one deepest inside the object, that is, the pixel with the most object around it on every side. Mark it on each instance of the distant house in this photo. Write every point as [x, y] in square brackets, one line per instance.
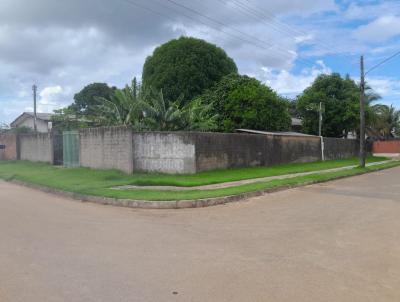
[26, 119]
[297, 124]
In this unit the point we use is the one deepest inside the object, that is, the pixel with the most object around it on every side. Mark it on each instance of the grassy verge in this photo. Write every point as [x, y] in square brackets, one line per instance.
[98, 183]
[227, 175]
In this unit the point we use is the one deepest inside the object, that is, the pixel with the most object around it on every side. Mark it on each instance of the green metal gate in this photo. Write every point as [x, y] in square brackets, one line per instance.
[71, 148]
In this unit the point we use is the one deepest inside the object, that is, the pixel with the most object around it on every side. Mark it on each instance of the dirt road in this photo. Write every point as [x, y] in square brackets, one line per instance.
[338, 241]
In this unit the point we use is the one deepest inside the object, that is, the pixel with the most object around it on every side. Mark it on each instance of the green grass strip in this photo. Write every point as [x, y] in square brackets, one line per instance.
[100, 182]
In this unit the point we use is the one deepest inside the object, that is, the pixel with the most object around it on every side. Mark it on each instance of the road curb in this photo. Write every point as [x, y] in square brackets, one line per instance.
[175, 204]
[146, 204]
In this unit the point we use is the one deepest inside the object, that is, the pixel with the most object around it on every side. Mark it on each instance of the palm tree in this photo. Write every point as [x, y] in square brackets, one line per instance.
[124, 108]
[387, 120]
[146, 108]
[160, 114]
[370, 95]
[199, 116]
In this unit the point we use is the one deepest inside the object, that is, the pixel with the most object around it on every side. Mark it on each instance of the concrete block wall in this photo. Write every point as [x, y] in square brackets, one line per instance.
[292, 149]
[338, 148]
[221, 151]
[224, 150]
[36, 147]
[10, 142]
[183, 152]
[106, 148]
[164, 152]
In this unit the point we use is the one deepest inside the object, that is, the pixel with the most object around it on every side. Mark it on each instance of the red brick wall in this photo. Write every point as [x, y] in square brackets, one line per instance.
[10, 141]
[386, 147]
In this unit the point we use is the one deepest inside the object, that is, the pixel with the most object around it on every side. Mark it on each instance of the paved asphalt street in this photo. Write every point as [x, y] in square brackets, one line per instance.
[338, 241]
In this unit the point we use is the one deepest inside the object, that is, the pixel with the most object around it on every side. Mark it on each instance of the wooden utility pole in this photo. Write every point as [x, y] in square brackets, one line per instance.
[362, 114]
[34, 88]
[320, 120]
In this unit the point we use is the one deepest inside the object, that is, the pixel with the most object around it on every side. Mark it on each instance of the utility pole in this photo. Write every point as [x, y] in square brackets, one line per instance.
[320, 119]
[34, 88]
[320, 132]
[362, 114]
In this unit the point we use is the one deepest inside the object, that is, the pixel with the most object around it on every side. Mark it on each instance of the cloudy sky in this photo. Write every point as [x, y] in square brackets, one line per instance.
[64, 45]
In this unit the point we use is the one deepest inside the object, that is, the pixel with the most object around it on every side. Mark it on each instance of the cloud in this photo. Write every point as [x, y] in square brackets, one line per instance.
[385, 86]
[364, 10]
[290, 84]
[64, 45]
[379, 30]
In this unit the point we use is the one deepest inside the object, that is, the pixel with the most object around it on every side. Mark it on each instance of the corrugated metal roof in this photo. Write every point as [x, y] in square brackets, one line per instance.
[42, 116]
[273, 133]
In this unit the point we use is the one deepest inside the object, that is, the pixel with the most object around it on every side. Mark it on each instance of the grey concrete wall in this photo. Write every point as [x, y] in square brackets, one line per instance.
[293, 149]
[337, 148]
[106, 148]
[36, 147]
[185, 152]
[221, 151]
[164, 152]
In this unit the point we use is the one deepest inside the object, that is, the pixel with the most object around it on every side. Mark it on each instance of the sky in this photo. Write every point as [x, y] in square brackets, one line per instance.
[61, 46]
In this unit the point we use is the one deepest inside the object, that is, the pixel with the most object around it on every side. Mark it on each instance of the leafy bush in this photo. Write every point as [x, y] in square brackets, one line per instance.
[244, 102]
[186, 66]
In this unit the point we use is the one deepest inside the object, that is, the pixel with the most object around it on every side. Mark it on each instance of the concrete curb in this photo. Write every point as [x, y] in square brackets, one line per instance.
[175, 204]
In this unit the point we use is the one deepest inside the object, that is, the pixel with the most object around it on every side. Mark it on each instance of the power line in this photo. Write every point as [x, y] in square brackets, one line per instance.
[234, 29]
[287, 54]
[286, 28]
[382, 62]
[188, 17]
[134, 3]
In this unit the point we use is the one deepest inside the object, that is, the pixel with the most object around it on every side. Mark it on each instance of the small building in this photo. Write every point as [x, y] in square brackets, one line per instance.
[26, 119]
[297, 124]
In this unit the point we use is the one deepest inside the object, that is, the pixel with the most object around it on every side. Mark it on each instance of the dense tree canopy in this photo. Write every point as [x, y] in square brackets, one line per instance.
[244, 102]
[340, 99]
[186, 66]
[86, 101]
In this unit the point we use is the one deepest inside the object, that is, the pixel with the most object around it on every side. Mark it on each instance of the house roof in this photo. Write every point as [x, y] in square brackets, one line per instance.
[40, 116]
[273, 133]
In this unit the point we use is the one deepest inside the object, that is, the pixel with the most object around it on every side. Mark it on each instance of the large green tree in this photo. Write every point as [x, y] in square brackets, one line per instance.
[340, 99]
[87, 100]
[244, 102]
[186, 66]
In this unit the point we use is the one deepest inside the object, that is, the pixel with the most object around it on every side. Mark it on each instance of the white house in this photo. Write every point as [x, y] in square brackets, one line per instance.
[26, 119]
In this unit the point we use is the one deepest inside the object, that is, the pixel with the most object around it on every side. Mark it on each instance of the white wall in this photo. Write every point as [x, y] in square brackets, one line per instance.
[36, 147]
[172, 153]
[42, 126]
